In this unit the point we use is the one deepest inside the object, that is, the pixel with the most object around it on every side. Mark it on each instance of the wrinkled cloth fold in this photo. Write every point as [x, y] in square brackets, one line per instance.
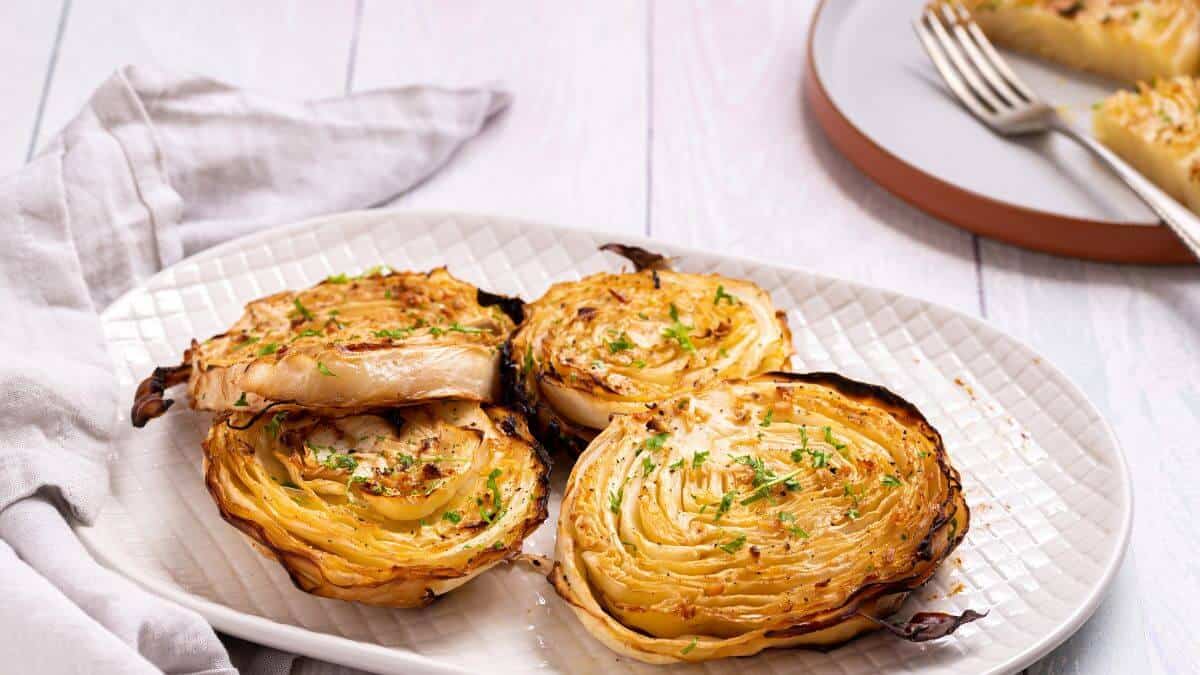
[154, 168]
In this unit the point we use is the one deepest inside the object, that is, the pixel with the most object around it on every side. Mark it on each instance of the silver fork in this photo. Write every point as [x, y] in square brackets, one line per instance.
[992, 92]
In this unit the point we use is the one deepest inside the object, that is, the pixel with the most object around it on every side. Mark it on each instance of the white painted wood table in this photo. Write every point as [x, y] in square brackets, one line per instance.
[686, 122]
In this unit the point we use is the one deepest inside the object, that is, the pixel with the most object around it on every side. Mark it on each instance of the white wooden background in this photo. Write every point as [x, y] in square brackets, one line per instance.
[686, 121]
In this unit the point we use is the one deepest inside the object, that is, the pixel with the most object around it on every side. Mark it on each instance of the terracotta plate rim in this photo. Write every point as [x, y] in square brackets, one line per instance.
[1004, 221]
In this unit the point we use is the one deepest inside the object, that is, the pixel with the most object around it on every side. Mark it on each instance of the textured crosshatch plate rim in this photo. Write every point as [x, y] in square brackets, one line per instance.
[381, 658]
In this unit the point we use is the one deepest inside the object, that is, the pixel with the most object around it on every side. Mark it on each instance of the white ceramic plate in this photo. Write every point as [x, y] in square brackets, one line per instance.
[874, 70]
[1048, 487]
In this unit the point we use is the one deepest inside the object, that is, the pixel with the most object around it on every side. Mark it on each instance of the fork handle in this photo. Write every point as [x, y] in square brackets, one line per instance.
[1179, 218]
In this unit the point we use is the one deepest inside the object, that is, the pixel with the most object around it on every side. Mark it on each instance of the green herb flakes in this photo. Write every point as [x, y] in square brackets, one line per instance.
[726, 504]
[615, 498]
[622, 343]
[250, 339]
[722, 295]
[647, 466]
[272, 427]
[655, 442]
[301, 309]
[734, 545]
[679, 332]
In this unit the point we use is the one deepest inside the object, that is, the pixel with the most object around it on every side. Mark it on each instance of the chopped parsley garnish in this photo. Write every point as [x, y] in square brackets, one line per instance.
[647, 466]
[269, 348]
[497, 546]
[655, 442]
[338, 278]
[301, 309]
[395, 334]
[793, 529]
[272, 427]
[726, 504]
[676, 464]
[689, 648]
[405, 461]
[699, 458]
[307, 332]
[324, 370]
[833, 441]
[820, 459]
[733, 546]
[722, 295]
[621, 344]
[614, 499]
[639, 364]
[770, 416]
[761, 474]
[452, 516]
[788, 480]
[528, 365]
[852, 514]
[457, 327]
[497, 507]
[851, 493]
[798, 453]
[337, 460]
[340, 461]
[679, 332]
[890, 481]
[241, 402]
[246, 343]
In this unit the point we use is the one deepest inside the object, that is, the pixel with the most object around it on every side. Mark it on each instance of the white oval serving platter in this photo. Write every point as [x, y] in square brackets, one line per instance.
[1047, 484]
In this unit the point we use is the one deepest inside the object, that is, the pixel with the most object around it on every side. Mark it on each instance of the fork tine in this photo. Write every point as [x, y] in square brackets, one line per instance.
[982, 63]
[965, 69]
[997, 61]
[949, 75]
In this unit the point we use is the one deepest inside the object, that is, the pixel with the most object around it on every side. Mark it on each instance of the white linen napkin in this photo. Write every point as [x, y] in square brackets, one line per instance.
[155, 167]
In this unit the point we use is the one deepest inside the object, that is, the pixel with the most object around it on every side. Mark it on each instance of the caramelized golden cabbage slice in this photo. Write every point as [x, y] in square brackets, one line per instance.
[613, 343]
[1129, 40]
[1157, 130]
[392, 509]
[347, 344]
[787, 510]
